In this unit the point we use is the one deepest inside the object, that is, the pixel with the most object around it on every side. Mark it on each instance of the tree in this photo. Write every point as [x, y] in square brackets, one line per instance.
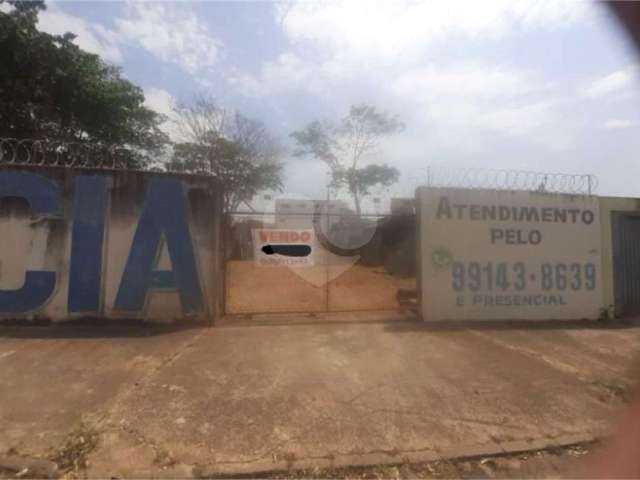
[52, 90]
[345, 145]
[238, 150]
[366, 177]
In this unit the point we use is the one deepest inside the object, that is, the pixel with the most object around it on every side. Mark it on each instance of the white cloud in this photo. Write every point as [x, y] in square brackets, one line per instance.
[454, 103]
[171, 32]
[381, 47]
[164, 103]
[92, 37]
[464, 80]
[288, 73]
[617, 124]
[6, 7]
[520, 120]
[463, 100]
[390, 28]
[338, 40]
[159, 100]
[611, 83]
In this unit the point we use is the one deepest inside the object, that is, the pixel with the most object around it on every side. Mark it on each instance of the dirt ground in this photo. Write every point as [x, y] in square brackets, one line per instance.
[252, 289]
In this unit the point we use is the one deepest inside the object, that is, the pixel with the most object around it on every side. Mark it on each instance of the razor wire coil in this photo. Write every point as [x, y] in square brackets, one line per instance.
[52, 153]
[494, 179]
[46, 152]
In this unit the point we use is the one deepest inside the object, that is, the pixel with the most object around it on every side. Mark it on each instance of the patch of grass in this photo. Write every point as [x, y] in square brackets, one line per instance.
[74, 452]
[164, 458]
[614, 389]
[430, 470]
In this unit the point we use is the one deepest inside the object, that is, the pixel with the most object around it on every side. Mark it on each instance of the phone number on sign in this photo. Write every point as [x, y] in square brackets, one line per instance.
[487, 276]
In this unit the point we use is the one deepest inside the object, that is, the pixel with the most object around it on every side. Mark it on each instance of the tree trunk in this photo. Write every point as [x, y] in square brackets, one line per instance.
[356, 199]
[353, 189]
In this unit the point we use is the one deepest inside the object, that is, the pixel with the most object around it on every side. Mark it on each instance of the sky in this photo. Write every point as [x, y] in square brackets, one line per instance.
[547, 86]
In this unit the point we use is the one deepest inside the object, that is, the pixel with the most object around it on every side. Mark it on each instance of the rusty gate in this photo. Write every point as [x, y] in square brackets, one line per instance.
[334, 277]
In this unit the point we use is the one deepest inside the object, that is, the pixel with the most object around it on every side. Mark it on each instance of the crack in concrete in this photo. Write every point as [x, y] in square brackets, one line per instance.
[555, 364]
[440, 418]
[103, 420]
[144, 380]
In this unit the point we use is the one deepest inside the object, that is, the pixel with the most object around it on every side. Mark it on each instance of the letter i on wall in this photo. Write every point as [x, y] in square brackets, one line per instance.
[87, 244]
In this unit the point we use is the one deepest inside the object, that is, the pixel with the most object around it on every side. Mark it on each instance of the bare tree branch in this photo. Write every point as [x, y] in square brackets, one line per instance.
[238, 150]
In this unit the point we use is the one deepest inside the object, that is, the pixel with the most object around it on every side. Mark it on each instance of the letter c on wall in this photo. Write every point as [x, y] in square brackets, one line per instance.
[44, 199]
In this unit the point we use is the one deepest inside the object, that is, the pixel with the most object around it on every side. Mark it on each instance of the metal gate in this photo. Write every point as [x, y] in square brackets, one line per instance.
[626, 262]
[368, 278]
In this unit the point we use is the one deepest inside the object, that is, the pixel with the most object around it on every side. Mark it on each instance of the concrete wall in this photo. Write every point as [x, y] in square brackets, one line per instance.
[109, 244]
[490, 255]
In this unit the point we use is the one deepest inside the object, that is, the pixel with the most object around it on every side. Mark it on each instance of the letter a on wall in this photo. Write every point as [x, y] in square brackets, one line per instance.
[164, 216]
[44, 200]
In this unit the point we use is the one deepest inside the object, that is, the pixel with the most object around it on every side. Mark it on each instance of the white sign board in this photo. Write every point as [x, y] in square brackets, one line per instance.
[280, 247]
[489, 255]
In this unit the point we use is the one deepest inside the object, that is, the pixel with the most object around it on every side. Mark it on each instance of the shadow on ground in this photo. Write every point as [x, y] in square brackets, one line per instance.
[393, 323]
[93, 328]
[532, 325]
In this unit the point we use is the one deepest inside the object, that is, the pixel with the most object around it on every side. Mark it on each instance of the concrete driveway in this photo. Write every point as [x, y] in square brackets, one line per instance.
[253, 398]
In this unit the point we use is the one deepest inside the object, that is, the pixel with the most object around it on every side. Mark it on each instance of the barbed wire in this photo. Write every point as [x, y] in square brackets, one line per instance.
[45, 152]
[493, 179]
[64, 154]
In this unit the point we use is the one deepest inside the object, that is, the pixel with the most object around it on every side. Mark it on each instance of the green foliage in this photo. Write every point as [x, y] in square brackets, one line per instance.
[51, 89]
[344, 145]
[362, 179]
[318, 140]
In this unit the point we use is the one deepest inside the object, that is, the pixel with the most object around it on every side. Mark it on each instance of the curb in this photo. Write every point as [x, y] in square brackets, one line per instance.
[491, 449]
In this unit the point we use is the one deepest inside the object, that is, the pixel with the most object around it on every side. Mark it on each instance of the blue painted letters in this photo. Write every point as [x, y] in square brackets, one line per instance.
[163, 217]
[44, 199]
[85, 271]
[163, 221]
